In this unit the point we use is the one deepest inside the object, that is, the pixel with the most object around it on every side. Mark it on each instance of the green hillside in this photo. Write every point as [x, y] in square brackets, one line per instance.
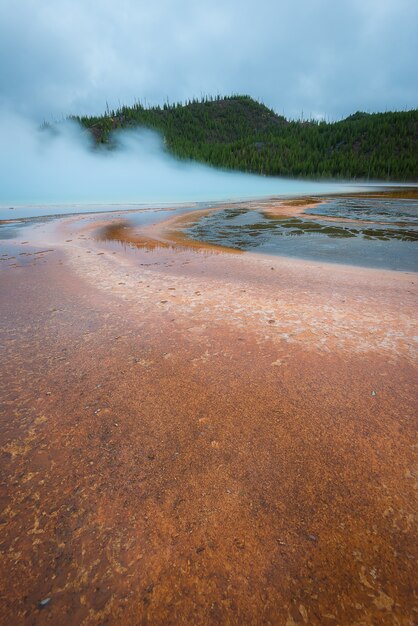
[239, 133]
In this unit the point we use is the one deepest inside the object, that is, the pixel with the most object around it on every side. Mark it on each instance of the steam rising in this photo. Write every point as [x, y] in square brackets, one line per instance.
[62, 167]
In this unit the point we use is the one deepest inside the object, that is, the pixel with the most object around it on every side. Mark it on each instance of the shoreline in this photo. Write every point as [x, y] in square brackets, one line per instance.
[171, 231]
[407, 190]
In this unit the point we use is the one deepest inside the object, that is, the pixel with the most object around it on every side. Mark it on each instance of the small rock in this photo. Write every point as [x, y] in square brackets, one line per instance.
[200, 549]
[48, 393]
[44, 602]
[373, 393]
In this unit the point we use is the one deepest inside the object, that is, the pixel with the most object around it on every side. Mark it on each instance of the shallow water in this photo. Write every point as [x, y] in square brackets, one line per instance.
[14, 230]
[45, 211]
[371, 232]
[196, 193]
[388, 210]
[379, 232]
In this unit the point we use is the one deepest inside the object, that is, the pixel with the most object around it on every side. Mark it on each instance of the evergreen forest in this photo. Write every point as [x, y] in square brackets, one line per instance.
[237, 132]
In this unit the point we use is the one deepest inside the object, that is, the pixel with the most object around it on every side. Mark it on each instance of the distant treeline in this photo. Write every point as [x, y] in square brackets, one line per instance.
[239, 133]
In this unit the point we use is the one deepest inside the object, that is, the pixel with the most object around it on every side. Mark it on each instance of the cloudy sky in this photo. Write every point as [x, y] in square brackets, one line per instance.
[323, 57]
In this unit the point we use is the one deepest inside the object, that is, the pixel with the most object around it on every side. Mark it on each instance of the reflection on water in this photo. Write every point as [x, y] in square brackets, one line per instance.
[13, 230]
[369, 231]
[125, 234]
[45, 211]
[17, 229]
[373, 232]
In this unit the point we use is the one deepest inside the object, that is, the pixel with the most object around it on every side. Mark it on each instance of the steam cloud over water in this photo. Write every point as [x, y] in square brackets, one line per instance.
[61, 166]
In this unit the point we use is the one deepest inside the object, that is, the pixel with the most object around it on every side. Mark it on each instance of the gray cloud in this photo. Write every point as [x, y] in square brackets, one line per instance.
[325, 57]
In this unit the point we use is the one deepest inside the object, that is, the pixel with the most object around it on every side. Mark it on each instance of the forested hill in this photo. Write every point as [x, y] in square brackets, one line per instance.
[239, 133]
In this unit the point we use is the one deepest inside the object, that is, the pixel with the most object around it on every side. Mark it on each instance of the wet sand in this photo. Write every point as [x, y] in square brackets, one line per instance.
[194, 437]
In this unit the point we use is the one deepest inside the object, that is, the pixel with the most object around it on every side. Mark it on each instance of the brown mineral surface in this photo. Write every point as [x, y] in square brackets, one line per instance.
[194, 437]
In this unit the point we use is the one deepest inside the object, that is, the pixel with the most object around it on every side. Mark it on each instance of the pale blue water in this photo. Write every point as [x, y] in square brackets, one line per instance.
[385, 210]
[12, 230]
[380, 233]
